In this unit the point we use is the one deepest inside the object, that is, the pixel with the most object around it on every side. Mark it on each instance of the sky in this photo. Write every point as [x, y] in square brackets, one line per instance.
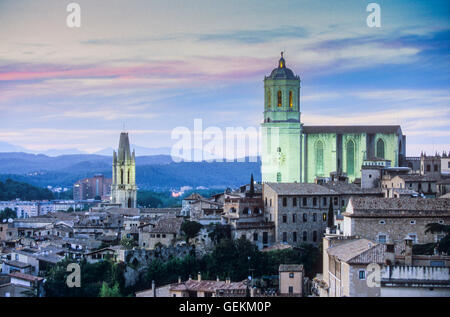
[148, 67]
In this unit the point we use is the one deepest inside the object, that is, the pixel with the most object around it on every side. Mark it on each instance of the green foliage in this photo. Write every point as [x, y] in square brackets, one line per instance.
[235, 259]
[190, 229]
[7, 213]
[10, 190]
[128, 242]
[219, 232]
[107, 291]
[92, 277]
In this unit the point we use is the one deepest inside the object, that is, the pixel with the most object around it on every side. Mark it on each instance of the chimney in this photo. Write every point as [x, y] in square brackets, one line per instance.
[179, 279]
[217, 279]
[228, 281]
[199, 277]
[190, 278]
[408, 251]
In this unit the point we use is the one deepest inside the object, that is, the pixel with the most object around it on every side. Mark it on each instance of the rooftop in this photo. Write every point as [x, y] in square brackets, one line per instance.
[207, 286]
[352, 129]
[359, 251]
[397, 207]
[290, 268]
[300, 189]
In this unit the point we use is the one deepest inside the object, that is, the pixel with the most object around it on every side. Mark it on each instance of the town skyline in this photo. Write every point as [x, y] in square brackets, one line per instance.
[76, 88]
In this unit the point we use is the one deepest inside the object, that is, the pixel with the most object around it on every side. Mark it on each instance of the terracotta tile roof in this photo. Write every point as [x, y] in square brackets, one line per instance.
[207, 286]
[290, 268]
[404, 206]
[349, 188]
[359, 251]
[167, 225]
[26, 277]
[300, 189]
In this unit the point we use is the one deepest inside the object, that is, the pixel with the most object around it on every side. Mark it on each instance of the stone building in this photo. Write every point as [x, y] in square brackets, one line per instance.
[422, 184]
[391, 220]
[292, 152]
[290, 277]
[298, 210]
[246, 217]
[164, 232]
[359, 267]
[123, 188]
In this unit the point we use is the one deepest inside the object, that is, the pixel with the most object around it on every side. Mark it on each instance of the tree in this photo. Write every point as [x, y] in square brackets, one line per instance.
[7, 213]
[219, 232]
[127, 242]
[107, 291]
[190, 229]
[252, 186]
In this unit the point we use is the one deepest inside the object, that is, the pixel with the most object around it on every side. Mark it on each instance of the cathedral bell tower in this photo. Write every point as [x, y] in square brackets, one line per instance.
[281, 129]
[123, 187]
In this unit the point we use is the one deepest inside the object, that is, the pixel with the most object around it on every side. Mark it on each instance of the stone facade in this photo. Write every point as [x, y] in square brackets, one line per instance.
[292, 152]
[391, 220]
[123, 188]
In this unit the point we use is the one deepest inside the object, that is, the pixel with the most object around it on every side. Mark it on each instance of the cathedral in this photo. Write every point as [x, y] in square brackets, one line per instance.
[123, 188]
[293, 152]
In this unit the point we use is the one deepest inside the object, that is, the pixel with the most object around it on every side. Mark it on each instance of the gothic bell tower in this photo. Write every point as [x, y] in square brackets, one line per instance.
[123, 187]
[281, 129]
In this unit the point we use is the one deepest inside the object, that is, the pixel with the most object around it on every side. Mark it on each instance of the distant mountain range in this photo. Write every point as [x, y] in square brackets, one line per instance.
[152, 171]
[8, 148]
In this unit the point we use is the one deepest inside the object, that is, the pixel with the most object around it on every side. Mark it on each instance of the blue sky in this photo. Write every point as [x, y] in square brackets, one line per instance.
[156, 65]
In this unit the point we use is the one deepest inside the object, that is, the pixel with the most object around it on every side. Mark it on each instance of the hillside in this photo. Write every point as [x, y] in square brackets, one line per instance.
[152, 172]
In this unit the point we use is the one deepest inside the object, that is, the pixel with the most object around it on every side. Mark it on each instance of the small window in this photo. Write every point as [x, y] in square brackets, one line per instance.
[290, 99]
[314, 217]
[305, 217]
[294, 202]
[284, 236]
[382, 238]
[284, 201]
[324, 216]
[314, 201]
[441, 222]
[413, 222]
[314, 236]
[291, 275]
[305, 236]
[284, 218]
[255, 236]
[279, 98]
[305, 201]
[294, 236]
[324, 201]
[291, 289]
[294, 218]
[362, 274]
[278, 177]
[265, 201]
[382, 222]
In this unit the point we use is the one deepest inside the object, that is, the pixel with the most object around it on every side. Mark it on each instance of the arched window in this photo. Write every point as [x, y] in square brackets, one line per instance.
[319, 158]
[350, 158]
[380, 148]
[121, 176]
[269, 99]
[128, 176]
[279, 98]
[290, 99]
[129, 202]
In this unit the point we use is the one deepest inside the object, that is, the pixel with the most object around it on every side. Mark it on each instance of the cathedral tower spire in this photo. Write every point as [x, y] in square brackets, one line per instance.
[123, 188]
[281, 129]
